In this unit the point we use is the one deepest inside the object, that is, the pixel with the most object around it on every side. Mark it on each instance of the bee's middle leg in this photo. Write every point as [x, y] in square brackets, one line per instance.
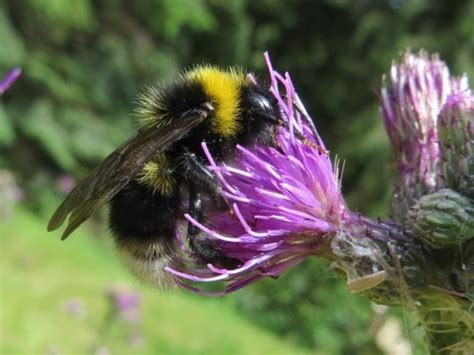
[202, 183]
[201, 178]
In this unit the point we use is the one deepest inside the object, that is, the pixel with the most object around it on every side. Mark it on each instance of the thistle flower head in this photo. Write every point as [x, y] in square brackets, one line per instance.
[411, 99]
[286, 200]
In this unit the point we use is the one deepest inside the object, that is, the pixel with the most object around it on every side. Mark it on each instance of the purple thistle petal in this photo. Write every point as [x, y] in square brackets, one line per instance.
[209, 231]
[195, 277]
[9, 79]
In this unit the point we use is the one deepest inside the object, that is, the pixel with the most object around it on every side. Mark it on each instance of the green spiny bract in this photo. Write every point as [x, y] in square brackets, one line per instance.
[443, 219]
[456, 135]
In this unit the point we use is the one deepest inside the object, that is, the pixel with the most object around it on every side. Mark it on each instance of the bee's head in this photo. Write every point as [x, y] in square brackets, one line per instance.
[263, 107]
[260, 115]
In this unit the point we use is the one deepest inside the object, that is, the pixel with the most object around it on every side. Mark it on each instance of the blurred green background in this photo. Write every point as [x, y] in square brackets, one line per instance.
[84, 61]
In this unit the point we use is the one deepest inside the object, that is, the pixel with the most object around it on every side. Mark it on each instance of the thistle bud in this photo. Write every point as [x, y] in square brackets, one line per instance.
[456, 136]
[411, 99]
[443, 219]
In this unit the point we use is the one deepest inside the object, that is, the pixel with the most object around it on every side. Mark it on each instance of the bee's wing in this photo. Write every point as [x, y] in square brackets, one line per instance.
[110, 176]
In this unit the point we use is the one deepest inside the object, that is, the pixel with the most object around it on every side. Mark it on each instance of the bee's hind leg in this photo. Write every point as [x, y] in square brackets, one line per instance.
[206, 249]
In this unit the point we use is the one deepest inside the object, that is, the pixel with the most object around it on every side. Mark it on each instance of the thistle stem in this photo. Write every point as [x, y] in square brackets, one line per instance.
[386, 263]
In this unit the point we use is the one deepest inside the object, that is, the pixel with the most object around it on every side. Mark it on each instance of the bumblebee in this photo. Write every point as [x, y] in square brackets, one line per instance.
[156, 176]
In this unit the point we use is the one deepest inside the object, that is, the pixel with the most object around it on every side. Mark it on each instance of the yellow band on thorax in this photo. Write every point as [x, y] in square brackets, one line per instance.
[223, 87]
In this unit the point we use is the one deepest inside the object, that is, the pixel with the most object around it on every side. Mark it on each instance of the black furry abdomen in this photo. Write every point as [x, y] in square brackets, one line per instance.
[137, 212]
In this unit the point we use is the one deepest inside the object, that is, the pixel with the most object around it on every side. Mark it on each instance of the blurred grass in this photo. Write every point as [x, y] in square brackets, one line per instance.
[39, 275]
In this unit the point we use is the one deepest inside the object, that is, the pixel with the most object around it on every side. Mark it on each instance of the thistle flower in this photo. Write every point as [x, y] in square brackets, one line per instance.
[286, 200]
[9, 79]
[287, 204]
[410, 101]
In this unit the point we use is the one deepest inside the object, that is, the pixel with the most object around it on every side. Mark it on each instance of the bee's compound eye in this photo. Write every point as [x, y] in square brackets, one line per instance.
[262, 108]
[261, 103]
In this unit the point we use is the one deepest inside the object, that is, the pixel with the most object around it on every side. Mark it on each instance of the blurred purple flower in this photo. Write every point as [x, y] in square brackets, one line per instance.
[411, 99]
[75, 307]
[52, 350]
[286, 200]
[126, 302]
[9, 79]
[10, 193]
[65, 183]
[102, 350]
[136, 340]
